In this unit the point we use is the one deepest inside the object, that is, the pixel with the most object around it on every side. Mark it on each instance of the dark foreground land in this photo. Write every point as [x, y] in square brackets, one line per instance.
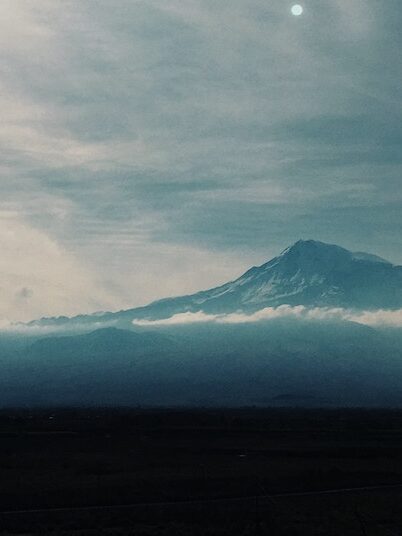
[202, 472]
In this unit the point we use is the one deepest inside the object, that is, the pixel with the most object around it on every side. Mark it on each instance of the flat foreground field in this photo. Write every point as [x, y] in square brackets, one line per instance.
[204, 472]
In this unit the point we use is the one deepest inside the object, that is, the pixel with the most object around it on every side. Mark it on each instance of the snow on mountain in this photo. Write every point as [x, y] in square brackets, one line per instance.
[312, 273]
[308, 273]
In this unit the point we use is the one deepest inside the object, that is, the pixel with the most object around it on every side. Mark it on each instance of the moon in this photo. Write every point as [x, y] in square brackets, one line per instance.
[297, 10]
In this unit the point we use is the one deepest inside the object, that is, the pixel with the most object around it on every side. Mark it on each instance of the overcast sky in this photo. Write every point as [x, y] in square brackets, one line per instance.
[156, 147]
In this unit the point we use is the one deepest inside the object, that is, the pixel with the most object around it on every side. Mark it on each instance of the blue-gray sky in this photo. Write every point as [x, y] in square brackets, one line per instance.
[156, 147]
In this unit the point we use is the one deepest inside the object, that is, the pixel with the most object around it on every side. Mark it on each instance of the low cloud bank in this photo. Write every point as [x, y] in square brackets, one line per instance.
[379, 318]
[369, 318]
[34, 330]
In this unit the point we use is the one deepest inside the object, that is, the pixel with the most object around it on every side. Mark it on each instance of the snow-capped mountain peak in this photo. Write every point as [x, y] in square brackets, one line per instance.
[309, 273]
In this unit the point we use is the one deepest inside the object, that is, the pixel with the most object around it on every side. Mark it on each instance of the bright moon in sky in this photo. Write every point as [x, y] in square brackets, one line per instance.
[297, 10]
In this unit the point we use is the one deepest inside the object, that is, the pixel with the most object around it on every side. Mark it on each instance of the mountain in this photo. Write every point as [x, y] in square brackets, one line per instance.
[277, 362]
[106, 366]
[102, 359]
[309, 273]
[281, 361]
[108, 342]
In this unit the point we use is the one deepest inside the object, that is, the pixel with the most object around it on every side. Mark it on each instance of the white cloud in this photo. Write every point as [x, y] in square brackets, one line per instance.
[181, 318]
[369, 318]
[379, 318]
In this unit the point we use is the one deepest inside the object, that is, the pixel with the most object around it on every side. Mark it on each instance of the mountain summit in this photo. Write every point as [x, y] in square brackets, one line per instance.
[309, 273]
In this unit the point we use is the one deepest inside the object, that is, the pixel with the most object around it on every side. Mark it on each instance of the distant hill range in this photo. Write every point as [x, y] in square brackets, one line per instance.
[309, 273]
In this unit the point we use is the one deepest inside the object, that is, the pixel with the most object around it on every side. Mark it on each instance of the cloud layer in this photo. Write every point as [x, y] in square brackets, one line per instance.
[369, 318]
[168, 145]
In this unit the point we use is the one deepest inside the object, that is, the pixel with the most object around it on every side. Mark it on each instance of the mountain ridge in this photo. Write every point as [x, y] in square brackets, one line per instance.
[309, 273]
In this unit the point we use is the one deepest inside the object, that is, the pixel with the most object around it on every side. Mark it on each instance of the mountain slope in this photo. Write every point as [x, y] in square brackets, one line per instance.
[309, 273]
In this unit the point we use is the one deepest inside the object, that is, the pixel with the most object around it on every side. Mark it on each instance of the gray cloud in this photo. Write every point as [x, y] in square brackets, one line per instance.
[25, 293]
[142, 136]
